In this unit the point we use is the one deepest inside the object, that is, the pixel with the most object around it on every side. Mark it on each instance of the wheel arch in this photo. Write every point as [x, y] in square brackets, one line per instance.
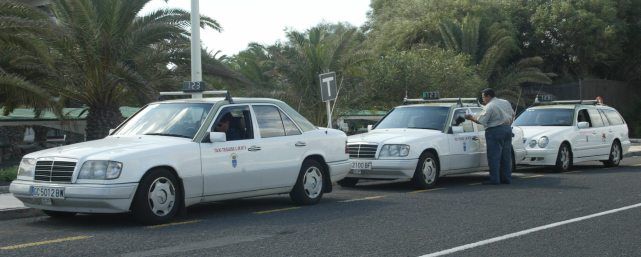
[327, 180]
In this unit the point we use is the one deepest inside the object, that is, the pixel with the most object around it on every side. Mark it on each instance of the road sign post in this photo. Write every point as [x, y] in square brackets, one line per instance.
[328, 92]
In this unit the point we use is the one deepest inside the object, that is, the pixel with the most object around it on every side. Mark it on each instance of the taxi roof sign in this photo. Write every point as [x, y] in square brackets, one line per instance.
[433, 95]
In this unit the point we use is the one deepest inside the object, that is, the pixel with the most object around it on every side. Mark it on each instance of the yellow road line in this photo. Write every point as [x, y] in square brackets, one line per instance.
[174, 224]
[426, 190]
[535, 176]
[574, 171]
[475, 184]
[60, 240]
[362, 199]
[276, 210]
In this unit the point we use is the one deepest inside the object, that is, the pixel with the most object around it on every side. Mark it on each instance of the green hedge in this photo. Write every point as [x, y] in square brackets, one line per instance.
[8, 174]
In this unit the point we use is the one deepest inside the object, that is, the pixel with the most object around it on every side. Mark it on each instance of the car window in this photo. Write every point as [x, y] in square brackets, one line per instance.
[595, 117]
[603, 118]
[583, 116]
[167, 119]
[476, 111]
[545, 117]
[419, 117]
[290, 126]
[270, 123]
[613, 117]
[458, 119]
[235, 122]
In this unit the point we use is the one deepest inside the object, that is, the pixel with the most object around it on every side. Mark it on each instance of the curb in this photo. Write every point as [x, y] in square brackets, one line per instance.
[632, 154]
[635, 140]
[4, 189]
[18, 213]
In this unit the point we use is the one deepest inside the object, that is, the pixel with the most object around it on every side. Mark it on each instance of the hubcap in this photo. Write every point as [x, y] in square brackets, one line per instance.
[429, 170]
[565, 157]
[313, 182]
[161, 196]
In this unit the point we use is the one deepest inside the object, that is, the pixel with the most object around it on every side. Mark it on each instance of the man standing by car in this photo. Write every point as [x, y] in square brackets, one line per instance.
[497, 117]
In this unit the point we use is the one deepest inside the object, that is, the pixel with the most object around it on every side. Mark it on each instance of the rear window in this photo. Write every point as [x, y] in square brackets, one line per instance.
[613, 117]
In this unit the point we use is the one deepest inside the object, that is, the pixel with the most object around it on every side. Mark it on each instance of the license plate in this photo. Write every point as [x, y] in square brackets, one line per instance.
[48, 192]
[361, 165]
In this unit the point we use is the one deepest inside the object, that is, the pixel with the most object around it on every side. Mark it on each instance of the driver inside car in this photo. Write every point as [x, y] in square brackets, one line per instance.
[224, 125]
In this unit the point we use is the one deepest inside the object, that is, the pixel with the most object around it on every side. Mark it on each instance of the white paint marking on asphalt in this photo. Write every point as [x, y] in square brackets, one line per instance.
[362, 199]
[527, 231]
[208, 244]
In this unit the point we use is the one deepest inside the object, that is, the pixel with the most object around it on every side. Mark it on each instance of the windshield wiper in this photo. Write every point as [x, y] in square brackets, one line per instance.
[167, 134]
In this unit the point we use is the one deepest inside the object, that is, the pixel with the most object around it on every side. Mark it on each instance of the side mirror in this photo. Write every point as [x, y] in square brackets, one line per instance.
[583, 125]
[217, 137]
[457, 129]
[111, 131]
[369, 128]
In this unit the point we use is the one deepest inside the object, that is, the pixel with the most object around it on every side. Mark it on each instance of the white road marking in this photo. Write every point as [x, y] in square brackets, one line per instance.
[527, 231]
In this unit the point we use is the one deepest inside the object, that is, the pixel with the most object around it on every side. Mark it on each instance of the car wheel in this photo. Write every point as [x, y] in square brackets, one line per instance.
[563, 159]
[59, 214]
[309, 185]
[615, 155]
[348, 182]
[157, 198]
[427, 171]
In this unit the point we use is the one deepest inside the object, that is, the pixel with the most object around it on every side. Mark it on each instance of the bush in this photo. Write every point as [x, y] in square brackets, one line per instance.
[8, 174]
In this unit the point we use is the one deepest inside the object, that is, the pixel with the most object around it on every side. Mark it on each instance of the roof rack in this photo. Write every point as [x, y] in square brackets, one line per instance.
[192, 94]
[459, 101]
[587, 102]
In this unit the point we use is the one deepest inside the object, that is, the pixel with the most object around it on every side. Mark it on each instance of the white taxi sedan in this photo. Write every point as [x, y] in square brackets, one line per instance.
[562, 133]
[422, 142]
[178, 153]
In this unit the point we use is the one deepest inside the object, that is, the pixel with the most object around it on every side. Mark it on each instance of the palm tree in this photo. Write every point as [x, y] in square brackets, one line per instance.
[24, 60]
[490, 51]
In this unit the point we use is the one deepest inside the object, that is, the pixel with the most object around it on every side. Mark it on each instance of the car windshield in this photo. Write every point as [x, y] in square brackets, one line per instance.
[420, 117]
[545, 117]
[167, 119]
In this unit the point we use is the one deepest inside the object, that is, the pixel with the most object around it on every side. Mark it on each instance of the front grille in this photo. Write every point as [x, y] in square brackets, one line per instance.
[54, 171]
[362, 151]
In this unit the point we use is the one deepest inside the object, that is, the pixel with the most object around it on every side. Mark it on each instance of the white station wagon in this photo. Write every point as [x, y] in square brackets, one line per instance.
[562, 133]
[172, 154]
[422, 142]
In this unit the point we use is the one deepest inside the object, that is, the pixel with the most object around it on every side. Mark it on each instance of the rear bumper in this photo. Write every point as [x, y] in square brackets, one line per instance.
[338, 170]
[78, 198]
[387, 169]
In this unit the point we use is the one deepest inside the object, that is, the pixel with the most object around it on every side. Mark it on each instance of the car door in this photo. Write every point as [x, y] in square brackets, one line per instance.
[465, 143]
[228, 166]
[608, 130]
[281, 147]
[583, 138]
[600, 145]
[480, 129]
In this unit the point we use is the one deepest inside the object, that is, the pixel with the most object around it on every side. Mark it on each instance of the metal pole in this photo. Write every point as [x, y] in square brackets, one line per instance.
[196, 68]
[329, 114]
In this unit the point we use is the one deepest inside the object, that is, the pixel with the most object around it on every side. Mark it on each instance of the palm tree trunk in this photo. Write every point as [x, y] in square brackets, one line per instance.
[100, 119]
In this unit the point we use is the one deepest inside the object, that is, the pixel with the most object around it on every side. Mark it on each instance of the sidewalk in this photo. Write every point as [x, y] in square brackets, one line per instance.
[12, 208]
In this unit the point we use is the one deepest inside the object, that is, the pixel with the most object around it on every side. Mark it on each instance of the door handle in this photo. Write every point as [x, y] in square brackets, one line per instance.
[254, 148]
[475, 138]
[300, 144]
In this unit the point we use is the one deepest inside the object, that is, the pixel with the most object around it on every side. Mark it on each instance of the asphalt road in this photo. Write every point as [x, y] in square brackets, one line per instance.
[534, 216]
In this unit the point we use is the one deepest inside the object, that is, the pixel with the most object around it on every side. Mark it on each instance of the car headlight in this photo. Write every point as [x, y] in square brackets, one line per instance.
[532, 143]
[100, 170]
[394, 151]
[27, 168]
[543, 141]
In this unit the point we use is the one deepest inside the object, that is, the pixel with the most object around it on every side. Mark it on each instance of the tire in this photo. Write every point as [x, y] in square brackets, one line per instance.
[563, 159]
[309, 186]
[59, 214]
[158, 198]
[348, 182]
[615, 155]
[427, 171]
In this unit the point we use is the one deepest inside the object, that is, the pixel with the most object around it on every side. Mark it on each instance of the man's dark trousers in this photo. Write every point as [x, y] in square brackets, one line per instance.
[499, 153]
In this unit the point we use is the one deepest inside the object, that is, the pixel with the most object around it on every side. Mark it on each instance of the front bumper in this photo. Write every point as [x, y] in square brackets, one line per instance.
[386, 169]
[534, 156]
[85, 198]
